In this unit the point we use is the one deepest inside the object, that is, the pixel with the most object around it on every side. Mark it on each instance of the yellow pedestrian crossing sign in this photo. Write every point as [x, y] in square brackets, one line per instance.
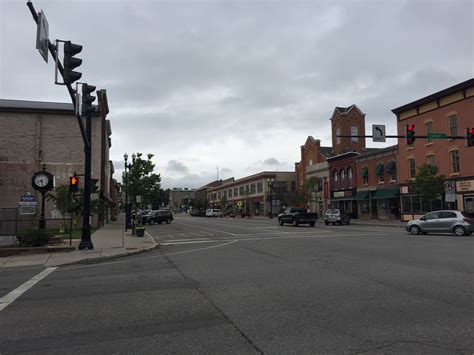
[239, 204]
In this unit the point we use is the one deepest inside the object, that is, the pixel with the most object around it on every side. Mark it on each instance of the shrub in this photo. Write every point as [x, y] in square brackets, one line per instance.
[34, 238]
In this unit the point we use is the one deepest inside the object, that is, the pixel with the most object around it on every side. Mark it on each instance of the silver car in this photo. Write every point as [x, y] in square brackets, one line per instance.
[334, 215]
[457, 222]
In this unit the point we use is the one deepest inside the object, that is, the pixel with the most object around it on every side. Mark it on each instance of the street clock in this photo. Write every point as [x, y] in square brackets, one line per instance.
[42, 181]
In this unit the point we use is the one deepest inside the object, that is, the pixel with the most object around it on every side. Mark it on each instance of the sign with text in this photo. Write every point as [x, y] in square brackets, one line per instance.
[378, 133]
[450, 191]
[467, 185]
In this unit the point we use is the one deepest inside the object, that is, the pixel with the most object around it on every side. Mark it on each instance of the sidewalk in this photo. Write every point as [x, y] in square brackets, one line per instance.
[110, 241]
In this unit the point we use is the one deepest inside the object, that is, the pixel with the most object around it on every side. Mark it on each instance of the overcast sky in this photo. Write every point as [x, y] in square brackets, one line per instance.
[239, 84]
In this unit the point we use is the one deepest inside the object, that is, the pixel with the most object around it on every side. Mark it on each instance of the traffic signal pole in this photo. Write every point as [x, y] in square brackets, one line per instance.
[86, 241]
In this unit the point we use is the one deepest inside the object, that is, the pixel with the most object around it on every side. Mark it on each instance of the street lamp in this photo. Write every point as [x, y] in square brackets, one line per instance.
[127, 207]
[270, 187]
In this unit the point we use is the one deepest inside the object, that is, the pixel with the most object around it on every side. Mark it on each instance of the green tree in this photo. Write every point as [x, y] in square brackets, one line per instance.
[142, 181]
[428, 184]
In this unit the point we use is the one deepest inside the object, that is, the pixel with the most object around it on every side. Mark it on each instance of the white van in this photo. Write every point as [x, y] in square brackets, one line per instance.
[214, 212]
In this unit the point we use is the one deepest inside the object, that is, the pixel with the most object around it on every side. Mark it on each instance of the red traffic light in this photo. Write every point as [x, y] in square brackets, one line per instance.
[470, 131]
[410, 127]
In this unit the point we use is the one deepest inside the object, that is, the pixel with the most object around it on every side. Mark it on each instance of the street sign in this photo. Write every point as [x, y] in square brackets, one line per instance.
[450, 191]
[42, 36]
[378, 133]
[437, 135]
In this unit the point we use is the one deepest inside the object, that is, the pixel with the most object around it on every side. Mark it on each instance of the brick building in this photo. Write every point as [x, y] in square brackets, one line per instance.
[347, 121]
[252, 194]
[377, 184]
[36, 134]
[448, 111]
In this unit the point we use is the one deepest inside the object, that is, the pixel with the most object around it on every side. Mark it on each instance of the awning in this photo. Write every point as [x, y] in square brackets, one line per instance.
[361, 195]
[391, 167]
[364, 171]
[386, 193]
[379, 170]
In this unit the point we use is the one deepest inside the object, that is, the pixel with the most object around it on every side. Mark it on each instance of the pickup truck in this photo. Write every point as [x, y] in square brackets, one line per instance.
[297, 216]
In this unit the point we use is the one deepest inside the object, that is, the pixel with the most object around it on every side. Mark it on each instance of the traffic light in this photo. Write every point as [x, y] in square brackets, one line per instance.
[410, 133]
[87, 99]
[470, 137]
[73, 183]
[70, 63]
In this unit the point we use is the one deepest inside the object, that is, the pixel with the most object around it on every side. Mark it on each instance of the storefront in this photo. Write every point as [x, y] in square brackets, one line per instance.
[344, 200]
[465, 195]
[387, 203]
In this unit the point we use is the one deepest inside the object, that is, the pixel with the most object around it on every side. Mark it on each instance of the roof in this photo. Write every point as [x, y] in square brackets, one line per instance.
[269, 174]
[346, 110]
[373, 151]
[7, 105]
[437, 95]
[326, 151]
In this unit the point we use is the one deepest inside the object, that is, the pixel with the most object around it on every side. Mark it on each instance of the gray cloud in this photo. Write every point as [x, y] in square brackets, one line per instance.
[271, 161]
[206, 84]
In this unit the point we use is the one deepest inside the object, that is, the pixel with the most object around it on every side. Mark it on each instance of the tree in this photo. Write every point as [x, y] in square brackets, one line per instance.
[428, 184]
[142, 181]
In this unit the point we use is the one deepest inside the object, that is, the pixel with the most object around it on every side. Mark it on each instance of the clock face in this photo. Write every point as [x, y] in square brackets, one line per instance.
[41, 180]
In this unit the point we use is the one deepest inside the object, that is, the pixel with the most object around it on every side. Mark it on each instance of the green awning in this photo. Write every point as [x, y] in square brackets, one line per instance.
[364, 171]
[386, 193]
[361, 195]
[391, 167]
[379, 169]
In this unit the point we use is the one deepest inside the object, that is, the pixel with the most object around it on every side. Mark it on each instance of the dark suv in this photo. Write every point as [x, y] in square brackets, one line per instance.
[158, 216]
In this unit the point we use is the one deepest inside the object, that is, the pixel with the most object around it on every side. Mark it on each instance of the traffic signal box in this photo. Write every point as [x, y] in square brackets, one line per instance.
[470, 137]
[410, 133]
[73, 183]
[87, 99]
[70, 62]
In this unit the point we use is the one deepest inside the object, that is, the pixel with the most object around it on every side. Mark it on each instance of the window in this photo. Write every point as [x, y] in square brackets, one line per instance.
[381, 179]
[447, 214]
[320, 184]
[354, 134]
[230, 193]
[349, 178]
[430, 160]
[252, 188]
[241, 191]
[429, 130]
[293, 186]
[236, 191]
[341, 173]
[259, 186]
[334, 180]
[338, 133]
[219, 195]
[454, 154]
[453, 125]
[310, 162]
[411, 168]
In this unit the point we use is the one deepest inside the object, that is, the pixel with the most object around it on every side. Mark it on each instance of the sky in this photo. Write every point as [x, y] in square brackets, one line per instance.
[233, 88]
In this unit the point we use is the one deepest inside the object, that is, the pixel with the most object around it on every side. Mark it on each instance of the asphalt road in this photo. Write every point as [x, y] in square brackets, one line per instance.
[250, 286]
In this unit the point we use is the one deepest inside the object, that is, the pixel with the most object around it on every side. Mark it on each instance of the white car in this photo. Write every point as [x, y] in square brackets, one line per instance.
[214, 212]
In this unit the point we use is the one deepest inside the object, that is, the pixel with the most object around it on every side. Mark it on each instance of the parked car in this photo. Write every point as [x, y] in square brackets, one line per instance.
[445, 221]
[214, 212]
[158, 216]
[334, 215]
[297, 216]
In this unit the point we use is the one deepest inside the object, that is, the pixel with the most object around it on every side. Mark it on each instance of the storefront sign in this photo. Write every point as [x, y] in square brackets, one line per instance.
[467, 185]
[338, 193]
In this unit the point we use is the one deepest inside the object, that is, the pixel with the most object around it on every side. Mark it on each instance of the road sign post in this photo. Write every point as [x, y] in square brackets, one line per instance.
[378, 133]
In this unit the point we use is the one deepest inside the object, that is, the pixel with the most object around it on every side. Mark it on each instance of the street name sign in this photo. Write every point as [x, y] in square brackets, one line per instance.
[437, 136]
[378, 133]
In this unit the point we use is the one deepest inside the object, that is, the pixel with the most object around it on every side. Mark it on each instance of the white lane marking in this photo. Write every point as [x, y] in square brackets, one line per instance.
[8, 299]
[267, 227]
[182, 242]
[190, 251]
[184, 235]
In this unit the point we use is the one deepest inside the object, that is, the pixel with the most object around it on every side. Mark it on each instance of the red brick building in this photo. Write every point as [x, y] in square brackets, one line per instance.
[448, 111]
[377, 184]
[347, 121]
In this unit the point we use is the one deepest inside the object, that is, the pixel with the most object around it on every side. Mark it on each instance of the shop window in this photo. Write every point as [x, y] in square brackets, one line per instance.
[454, 154]
[349, 178]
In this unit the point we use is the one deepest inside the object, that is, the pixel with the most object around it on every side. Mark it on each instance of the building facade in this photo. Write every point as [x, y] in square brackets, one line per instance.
[181, 198]
[377, 184]
[45, 135]
[343, 182]
[257, 194]
[449, 111]
[348, 122]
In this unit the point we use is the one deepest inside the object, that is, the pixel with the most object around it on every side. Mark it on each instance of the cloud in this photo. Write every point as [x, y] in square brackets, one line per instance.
[176, 167]
[271, 161]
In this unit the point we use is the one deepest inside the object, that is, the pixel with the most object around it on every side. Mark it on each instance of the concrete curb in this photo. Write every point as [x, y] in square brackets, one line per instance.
[116, 256]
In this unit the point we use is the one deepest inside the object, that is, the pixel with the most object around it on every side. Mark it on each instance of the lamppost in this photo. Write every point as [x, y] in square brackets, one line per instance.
[127, 207]
[270, 188]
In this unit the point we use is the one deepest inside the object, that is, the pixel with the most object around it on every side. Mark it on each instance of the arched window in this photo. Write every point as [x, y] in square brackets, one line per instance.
[343, 175]
[349, 178]
[334, 180]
